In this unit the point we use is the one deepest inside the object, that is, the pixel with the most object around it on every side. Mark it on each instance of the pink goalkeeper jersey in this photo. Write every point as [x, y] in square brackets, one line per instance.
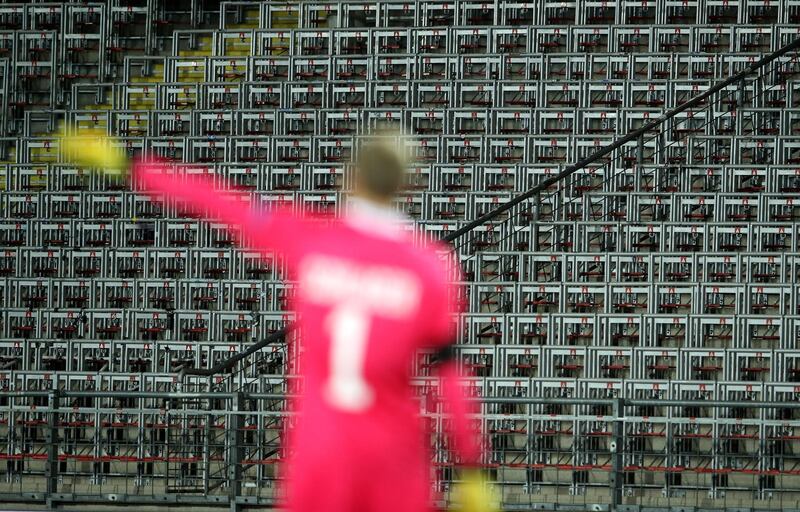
[367, 298]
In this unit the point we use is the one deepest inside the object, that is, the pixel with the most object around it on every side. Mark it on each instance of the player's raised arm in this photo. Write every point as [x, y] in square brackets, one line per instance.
[195, 194]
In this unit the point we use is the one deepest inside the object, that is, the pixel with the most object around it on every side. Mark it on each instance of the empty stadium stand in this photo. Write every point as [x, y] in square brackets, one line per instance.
[638, 317]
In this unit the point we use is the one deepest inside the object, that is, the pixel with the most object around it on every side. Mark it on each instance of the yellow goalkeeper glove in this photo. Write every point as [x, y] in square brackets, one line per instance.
[475, 493]
[93, 148]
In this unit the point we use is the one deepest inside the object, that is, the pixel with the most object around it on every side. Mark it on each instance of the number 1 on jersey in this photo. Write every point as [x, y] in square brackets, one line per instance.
[348, 327]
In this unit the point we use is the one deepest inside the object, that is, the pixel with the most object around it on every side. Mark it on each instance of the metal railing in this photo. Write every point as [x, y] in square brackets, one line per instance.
[544, 452]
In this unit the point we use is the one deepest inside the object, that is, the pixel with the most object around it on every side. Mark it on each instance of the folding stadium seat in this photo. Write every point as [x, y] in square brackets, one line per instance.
[586, 39]
[349, 95]
[24, 205]
[634, 12]
[34, 65]
[171, 148]
[164, 295]
[115, 293]
[265, 95]
[722, 298]
[310, 69]
[438, 14]
[446, 207]
[226, 70]
[411, 204]
[716, 268]
[321, 204]
[563, 94]
[702, 365]
[64, 324]
[750, 365]
[31, 293]
[253, 265]
[765, 269]
[281, 295]
[563, 362]
[788, 151]
[748, 39]
[509, 40]
[333, 150]
[325, 177]
[717, 331]
[708, 40]
[550, 39]
[422, 121]
[150, 325]
[721, 12]
[630, 299]
[752, 150]
[202, 295]
[88, 263]
[557, 121]
[507, 150]
[687, 238]
[631, 268]
[215, 235]
[454, 178]
[680, 12]
[471, 42]
[467, 121]
[484, 328]
[652, 66]
[497, 178]
[513, 122]
[553, 151]
[244, 295]
[586, 298]
[312, 42]
[421, 178]
[609, 363]
[660, 364]
[599, 122]
[394, 41]
[426, 149]
[130, 123]
[277, 68]
[276, 42]
[622, 330]
[166, 263]
[290, 149]
[220, 97]
[773, 238]
[522, 95]
[180, 234]
[787, 180]
[22, 324]
[313, 96]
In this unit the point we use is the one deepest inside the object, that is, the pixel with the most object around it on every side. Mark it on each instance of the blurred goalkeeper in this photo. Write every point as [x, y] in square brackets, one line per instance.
[367, 299]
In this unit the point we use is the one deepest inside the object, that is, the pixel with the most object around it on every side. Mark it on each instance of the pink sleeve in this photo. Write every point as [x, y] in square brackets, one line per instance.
[466, 438]
[445, 303]
[276, 231]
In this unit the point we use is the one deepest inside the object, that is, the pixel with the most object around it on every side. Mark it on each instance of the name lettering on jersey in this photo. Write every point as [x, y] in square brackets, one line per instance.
[379, 289]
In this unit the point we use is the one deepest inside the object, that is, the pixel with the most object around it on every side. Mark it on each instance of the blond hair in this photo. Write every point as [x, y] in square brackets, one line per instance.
[380, 167]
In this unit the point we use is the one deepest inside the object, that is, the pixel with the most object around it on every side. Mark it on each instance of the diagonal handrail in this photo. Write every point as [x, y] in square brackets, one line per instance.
[278, 336]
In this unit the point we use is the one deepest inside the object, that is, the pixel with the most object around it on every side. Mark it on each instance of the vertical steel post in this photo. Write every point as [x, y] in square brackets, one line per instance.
[617, 477]
[234, 442]
[51, 437]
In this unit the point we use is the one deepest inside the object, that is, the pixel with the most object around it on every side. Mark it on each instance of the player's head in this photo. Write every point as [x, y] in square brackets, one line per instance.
[380, 169]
